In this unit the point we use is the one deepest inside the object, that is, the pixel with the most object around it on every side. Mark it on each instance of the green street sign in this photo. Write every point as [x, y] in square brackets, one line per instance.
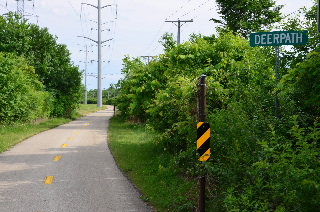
[279, 38]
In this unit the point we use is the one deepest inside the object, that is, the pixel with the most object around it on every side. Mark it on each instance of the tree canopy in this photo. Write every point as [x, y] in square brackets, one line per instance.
[245, 16]
[51, 61]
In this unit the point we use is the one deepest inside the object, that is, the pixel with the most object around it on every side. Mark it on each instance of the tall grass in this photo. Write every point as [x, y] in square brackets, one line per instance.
[148, 166]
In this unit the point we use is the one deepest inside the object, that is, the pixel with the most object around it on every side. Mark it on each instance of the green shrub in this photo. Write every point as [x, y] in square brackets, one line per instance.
[51, 61]
[22, 96]
[285, 178]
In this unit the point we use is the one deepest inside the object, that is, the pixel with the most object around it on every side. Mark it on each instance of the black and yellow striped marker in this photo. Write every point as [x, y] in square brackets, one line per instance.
[203, 141]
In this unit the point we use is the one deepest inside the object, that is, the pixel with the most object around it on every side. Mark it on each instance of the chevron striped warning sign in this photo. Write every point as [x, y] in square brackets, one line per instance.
[203, 140]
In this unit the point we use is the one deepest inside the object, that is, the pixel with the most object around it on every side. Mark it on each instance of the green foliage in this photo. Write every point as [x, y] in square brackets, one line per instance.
[164, 92]
[168, 42]
[109, 95]
[137, 88]
[248, 16]
[303, 19]
[286, 176]
[302, 83]
[22, 96]
[50, 60]
[252, 168]
[148, 167]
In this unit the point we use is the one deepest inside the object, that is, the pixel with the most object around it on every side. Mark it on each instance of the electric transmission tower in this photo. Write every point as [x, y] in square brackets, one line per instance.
[20, 7]
[99, 43]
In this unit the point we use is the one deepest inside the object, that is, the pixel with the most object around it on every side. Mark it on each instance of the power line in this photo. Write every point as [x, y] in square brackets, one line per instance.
[6, 7]
[161, 27]
[73, 8]
[196, 8]
[155, 36]
[159, 42]
[178, 9]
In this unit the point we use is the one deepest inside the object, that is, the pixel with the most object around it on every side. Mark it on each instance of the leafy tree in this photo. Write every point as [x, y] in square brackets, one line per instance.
[301, 82]
[22, 95]
[164, 92]
[245, 16]
[303, 19]
[51, 61]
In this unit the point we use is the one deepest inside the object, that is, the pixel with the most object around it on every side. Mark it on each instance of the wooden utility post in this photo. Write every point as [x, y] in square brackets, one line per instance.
[319, 16]
[203, 140]
[179, 27]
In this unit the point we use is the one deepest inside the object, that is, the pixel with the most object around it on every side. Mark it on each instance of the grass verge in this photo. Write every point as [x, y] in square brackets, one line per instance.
[147, 165]
[12, 135]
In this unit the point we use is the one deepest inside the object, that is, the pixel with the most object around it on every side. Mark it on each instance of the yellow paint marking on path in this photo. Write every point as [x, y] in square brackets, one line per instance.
[65, 145]
[76, 133]
[79, 130]
[49, 180]
[70, 138]
[57, 158]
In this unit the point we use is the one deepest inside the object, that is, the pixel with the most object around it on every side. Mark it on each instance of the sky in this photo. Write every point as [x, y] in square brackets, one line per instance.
[130, 27]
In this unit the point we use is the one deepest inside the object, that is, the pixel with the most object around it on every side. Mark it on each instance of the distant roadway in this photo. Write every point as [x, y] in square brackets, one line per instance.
[67, 169]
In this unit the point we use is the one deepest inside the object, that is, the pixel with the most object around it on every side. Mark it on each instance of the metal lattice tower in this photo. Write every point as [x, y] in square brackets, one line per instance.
[20, 7]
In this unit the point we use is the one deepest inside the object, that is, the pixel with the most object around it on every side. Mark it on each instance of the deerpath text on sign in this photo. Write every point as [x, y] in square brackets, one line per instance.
[279, 38]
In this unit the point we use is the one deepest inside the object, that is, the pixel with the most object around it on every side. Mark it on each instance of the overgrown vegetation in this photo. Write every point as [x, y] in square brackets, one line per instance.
[147, 166]
[108, 95]
[22, 95]
[259, 162]
[38, 79]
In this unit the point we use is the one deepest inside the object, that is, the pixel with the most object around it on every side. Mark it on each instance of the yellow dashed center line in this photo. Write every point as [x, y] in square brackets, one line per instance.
[70, 138]
[49, 180]
[65, 145]
[57, 158]
[76, 133]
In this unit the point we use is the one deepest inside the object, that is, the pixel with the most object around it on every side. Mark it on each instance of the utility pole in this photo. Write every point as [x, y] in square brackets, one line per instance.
[179, 27]
[99, 42]
[203, 141]
[85, 79]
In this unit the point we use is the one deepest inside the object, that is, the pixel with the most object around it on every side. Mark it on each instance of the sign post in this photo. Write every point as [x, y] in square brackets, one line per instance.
[277, 100]
[203, 139]
[319, 16]
[277, 39]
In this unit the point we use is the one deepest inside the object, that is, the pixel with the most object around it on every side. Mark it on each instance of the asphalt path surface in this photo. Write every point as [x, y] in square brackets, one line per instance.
[69, 168]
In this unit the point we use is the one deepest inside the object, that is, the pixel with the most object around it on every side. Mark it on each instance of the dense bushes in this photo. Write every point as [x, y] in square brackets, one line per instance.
[259, 162]
[22, 95]
[51, 61]
[285, 177]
